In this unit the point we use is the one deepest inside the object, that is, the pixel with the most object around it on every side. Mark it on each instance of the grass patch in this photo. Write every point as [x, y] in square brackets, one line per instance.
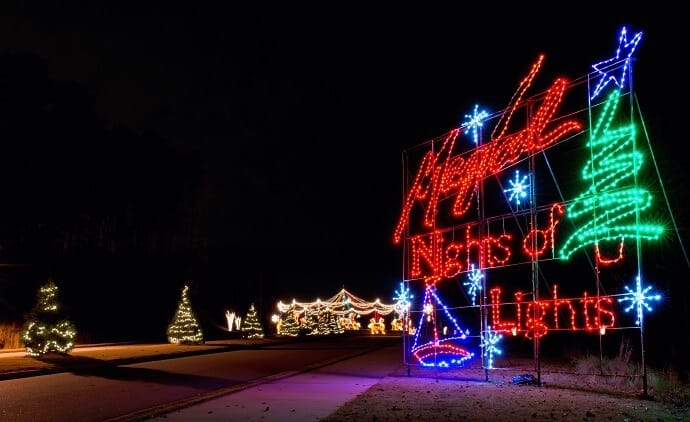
[10, 336]
[667, 386]
[620, 373]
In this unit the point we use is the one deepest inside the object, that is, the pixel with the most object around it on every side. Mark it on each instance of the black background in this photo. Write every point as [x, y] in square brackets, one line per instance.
[255, 152]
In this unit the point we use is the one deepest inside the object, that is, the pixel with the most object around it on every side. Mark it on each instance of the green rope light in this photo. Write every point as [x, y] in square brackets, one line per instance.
[611, 204]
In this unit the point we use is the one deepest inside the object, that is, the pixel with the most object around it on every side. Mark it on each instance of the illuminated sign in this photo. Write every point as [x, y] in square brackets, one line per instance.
[447, 230]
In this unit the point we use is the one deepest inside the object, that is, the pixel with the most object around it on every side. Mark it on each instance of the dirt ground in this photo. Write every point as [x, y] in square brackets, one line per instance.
[436, 396]
[401, 398]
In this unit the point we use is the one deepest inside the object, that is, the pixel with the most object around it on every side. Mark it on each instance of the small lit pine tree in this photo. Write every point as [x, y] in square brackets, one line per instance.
[313, 324]
[184, 327]
[47, 328]
[309, 324]
[333, 324]
[251, 326]
[289, 324]
[322, 327]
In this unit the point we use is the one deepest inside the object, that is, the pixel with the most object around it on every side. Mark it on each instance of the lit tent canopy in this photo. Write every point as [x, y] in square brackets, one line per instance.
[342, 304]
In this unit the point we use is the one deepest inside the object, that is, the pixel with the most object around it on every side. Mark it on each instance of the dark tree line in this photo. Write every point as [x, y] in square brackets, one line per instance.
[76, 184]
[116, 215]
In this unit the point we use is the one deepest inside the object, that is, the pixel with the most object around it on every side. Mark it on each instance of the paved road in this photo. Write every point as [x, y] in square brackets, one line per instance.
[308, 396]
[99, 391]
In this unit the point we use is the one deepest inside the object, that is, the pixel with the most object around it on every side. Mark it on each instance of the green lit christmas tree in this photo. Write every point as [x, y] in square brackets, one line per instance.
[47, 329]
[612, 205]
[251, 326]
[184, 327]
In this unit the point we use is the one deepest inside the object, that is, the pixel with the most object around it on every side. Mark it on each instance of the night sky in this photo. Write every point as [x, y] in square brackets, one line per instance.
[255, 153]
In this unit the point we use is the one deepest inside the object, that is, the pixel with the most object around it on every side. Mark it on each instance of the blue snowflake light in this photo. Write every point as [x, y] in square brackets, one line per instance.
[402, 299]
[474, 122]
[638, 299]
[489, 343]
[474, 284]
[518, 188]
[624, 52]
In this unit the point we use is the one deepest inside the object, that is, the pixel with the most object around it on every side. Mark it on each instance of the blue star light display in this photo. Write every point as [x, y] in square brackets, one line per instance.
[518, 188]
[624, 52]
[474, 284]
[489, 343]
[638, 298]
[402, 299]
[474, 122]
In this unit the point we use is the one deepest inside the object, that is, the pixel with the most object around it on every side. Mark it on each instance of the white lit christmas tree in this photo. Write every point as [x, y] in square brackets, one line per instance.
[251, 326]
[184, 327]
[310, 323]
[318, 324]
[333, 325]
[289, 323]
[47, 329]
[318, 321]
